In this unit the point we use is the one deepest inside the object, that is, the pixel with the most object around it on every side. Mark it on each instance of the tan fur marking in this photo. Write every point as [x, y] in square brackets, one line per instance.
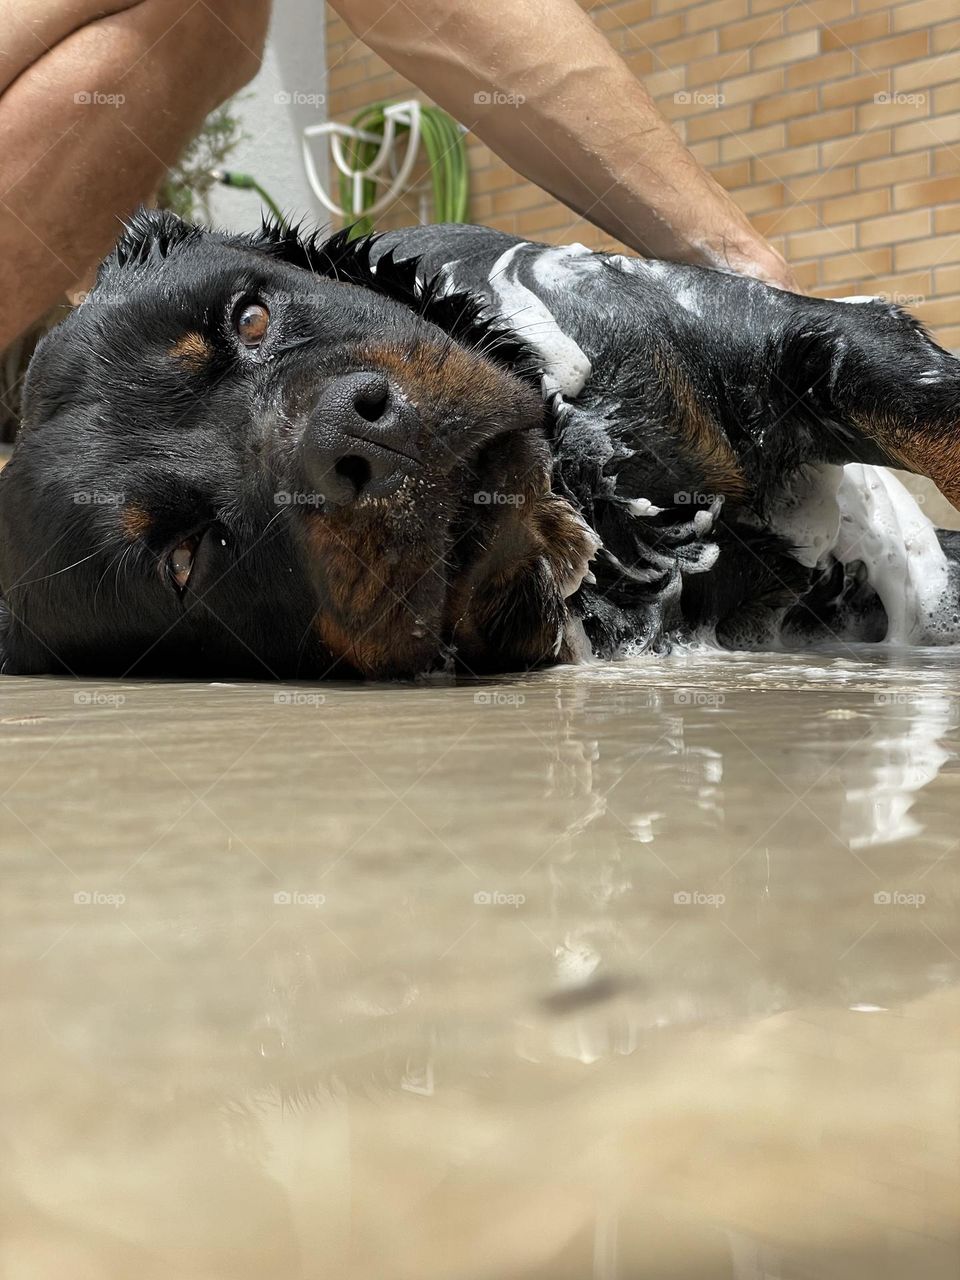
[932, 450]
[702, 439]
[371, 620]
[135, 521]
[192, 348]
[380, 565]
[440, 371]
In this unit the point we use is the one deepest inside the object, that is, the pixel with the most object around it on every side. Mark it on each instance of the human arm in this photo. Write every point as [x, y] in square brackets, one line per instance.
[541, 85]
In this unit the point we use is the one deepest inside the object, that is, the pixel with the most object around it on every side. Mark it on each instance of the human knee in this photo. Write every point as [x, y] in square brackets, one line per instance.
[237, 31]
[228, 36]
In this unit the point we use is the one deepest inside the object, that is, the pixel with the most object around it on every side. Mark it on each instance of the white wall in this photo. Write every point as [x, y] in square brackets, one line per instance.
[288, 93]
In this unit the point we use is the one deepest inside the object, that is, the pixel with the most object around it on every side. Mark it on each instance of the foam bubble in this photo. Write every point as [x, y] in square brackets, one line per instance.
[566, 367]
[863, 513]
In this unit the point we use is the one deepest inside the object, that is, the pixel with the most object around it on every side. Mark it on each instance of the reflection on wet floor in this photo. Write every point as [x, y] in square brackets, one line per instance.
[646, 970]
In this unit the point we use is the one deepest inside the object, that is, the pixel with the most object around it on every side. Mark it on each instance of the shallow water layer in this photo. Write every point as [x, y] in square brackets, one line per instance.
[645, 970]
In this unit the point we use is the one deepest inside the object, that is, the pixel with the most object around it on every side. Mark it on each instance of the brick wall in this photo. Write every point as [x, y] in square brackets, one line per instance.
[835, 124]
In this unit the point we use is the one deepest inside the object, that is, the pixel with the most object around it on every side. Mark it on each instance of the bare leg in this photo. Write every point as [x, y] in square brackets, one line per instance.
[93, 110]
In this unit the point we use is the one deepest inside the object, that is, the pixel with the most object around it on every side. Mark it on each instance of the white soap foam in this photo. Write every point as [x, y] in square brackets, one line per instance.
[864, 513]
[709, 556]
[642, 507]
[566, 367]
[553, 267]
[881, 524]
[448, 278]
[637, 266]
[687, 297]
[807, 513]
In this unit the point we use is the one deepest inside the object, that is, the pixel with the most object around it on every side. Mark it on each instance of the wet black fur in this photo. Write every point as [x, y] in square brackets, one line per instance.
[786, 379]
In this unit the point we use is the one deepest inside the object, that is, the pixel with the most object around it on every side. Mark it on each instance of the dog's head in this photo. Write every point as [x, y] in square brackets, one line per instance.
[262, 456]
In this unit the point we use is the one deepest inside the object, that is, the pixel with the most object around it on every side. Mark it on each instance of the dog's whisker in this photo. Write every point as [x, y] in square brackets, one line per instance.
[32, 582]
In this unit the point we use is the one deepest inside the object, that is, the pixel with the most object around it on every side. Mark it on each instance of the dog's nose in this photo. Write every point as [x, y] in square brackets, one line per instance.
[361, 439]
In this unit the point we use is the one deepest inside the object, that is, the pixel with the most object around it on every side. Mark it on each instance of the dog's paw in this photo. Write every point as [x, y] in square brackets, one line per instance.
[513, 610]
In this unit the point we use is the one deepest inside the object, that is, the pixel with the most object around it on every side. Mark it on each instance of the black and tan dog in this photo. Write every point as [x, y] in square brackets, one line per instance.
[271, 456]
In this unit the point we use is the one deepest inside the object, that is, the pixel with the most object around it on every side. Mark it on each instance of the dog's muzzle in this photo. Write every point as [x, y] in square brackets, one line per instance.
[361, 439]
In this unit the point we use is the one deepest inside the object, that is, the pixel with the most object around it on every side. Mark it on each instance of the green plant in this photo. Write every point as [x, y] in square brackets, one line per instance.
[186, 188]
[446, 151]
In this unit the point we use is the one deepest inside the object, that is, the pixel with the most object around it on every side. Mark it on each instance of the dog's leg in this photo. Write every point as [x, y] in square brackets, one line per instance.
[902, 392]
[861, 382]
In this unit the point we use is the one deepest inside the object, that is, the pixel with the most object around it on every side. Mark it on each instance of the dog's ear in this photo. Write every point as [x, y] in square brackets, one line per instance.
[148, 234]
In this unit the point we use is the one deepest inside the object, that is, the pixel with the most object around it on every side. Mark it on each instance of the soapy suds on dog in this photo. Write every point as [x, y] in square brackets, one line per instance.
[855, 514]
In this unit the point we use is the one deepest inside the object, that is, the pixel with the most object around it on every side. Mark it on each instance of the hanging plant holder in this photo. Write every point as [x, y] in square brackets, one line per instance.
[375, 155]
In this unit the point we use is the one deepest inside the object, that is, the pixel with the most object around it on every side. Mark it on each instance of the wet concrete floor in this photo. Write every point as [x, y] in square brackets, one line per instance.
[631, 972]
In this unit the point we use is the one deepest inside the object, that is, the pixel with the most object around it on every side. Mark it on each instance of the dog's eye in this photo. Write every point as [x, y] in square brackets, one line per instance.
[251, 322]
[180, 562]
